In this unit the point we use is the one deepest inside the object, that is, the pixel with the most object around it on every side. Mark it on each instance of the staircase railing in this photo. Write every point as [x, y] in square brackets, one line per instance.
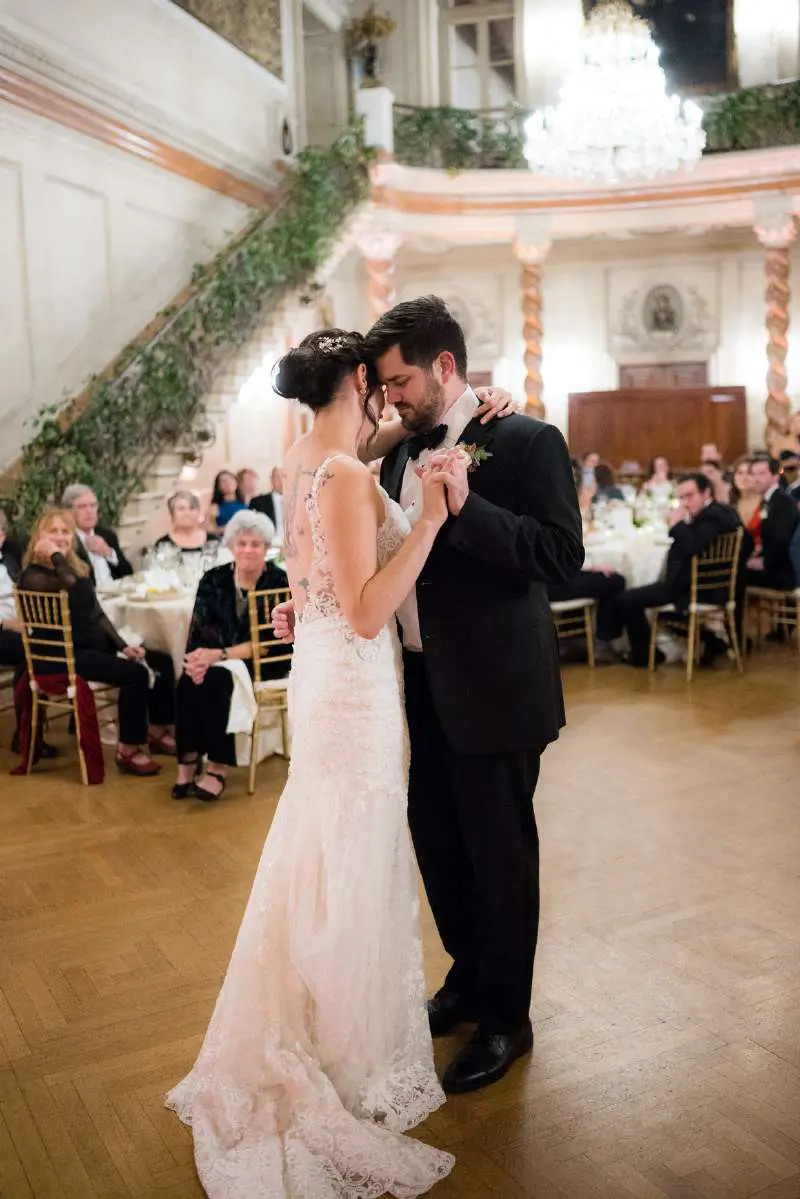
[154, 396]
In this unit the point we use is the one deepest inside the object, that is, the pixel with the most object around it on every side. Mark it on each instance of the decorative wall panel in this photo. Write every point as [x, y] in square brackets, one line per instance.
[253, 26]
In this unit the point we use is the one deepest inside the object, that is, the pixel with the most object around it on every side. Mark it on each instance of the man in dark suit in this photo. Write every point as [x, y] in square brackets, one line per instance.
[271, 502]
[771, 564]
[482, 683]
[11, 652]
[97, 545]
[699, 520]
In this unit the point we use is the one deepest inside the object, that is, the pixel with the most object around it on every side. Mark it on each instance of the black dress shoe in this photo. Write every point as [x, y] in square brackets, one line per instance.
[447, 1010]
[47, 750]
[486, 1059]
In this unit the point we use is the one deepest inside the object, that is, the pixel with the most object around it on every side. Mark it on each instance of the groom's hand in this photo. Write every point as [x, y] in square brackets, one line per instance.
[454, 472]
[283, 621]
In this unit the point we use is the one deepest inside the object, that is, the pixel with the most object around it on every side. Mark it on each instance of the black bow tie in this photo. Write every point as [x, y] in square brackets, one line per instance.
[426, 441]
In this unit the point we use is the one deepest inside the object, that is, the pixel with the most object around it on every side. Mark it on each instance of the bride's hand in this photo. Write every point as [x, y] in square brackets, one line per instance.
[434, 496]
[496, 402]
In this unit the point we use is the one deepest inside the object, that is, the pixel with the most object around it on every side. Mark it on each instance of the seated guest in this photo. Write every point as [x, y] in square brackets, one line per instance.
[220, 631]
[271, 504]
[720, 484]
[601, 585]
[693, 526]
[98, 546]
[771, 562]
[225, 498]
[790, 470]
[187, 534]
[745, 498]
[145, 714]
[585, 493]
[589, 464]
[606, 485]
[11, 652]
[659, 482]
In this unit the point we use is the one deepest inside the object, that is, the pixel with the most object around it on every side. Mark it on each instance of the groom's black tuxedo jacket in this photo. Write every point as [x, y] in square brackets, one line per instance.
[487, 632]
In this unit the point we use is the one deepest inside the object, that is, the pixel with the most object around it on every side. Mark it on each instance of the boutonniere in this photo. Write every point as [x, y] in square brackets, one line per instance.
[473, 455]
[763, 512]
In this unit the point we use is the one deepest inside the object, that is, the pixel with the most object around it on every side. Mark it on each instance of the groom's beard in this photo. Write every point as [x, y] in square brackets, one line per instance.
[427, 412]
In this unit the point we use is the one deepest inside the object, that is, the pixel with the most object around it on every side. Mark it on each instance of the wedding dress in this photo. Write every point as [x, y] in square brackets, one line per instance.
[318, 1055]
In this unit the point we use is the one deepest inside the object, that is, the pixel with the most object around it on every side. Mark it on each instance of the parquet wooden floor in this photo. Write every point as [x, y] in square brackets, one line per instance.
[667, 1062]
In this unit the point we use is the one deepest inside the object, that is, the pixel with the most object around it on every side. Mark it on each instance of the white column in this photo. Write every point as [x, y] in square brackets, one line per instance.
[376, 106]
[767, 40]
[550, 43]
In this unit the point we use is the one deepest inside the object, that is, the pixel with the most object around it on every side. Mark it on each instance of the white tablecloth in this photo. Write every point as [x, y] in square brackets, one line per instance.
[161, 624]
[639, 555]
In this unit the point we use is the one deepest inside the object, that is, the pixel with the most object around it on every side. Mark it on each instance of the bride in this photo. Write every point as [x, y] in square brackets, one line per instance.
[318, 1056]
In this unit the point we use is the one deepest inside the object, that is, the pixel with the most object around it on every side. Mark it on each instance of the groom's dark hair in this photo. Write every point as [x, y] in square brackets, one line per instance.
[422, 328]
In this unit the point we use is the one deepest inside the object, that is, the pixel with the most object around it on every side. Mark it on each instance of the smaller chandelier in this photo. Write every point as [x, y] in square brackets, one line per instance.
[614, 119]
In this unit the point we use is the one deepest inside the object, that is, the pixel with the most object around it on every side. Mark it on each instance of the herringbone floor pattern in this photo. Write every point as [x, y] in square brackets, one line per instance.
[667, 1062]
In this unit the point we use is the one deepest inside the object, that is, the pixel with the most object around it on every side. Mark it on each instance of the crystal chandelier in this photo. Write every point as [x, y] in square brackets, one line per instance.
[614, 118]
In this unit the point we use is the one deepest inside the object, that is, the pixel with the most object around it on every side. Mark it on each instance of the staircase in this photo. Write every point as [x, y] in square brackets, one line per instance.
[130, 435]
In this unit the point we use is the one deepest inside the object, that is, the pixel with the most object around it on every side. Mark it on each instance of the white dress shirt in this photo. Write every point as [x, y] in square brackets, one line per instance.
[456, 419]
[100, 565]
[8, 604]
[277, 505]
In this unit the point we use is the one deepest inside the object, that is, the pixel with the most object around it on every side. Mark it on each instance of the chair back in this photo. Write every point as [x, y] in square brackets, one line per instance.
[47, 633]
[714, 571]
[266, 650]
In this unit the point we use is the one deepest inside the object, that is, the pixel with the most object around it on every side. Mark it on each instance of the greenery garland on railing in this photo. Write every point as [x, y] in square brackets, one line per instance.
[459, 139]
[156, 398]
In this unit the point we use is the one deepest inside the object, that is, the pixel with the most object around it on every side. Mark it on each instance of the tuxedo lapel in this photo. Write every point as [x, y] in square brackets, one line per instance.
[396, 470]
[478, 435]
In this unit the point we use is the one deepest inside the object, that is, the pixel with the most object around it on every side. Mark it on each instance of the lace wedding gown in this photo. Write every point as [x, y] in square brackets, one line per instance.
[318, 1055]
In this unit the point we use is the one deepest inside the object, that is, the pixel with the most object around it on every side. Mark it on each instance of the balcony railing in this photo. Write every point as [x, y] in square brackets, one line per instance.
[459, 139]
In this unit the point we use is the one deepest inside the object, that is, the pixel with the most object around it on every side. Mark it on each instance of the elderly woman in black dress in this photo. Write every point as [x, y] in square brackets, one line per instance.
[219, 632]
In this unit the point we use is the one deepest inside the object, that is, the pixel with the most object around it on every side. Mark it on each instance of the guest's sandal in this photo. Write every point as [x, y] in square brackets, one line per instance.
[209, 796]
[184, 790]
[144, 769]
[163, 745]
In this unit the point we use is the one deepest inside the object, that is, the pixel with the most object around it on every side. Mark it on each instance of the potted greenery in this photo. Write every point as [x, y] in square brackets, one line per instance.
[364, 36]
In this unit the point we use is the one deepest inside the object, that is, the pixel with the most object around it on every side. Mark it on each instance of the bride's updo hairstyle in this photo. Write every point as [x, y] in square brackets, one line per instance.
[314, 371]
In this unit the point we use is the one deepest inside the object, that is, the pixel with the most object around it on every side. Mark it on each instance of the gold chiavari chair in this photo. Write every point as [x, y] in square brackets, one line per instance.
[575, 618]
[713, 574]
[50, 649]
[6, 690]
[271, 694]
[767, 610]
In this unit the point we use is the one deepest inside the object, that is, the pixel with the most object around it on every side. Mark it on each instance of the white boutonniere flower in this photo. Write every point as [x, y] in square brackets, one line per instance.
[472, 455]
[763, 511]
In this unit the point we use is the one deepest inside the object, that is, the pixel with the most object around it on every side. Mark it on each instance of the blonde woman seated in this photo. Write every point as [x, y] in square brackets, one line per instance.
[145, 714]
[220, 632]
[187, 534]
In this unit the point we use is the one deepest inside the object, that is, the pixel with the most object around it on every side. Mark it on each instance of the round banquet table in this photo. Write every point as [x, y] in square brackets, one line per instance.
[639, 554]
[161, 624]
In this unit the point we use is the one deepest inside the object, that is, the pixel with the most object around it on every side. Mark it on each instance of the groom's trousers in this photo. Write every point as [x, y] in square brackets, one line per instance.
[474, 832]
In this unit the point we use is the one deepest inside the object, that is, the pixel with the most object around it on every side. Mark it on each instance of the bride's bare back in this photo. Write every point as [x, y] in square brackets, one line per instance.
[311, 466]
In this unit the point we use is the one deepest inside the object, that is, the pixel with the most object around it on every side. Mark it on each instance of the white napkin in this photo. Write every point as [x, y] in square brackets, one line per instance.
[130, 637]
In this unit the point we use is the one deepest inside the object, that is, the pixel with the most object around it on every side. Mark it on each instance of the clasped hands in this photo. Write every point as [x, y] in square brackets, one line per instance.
[452, 469]
[196, 664]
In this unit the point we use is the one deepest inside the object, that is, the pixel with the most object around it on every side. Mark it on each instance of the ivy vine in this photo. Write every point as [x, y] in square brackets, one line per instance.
[156, 397]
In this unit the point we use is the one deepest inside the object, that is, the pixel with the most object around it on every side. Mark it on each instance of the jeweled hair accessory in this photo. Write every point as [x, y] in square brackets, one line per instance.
[329, 344]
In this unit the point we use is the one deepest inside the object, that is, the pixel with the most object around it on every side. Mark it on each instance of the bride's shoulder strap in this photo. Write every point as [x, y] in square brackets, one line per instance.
[322, 473]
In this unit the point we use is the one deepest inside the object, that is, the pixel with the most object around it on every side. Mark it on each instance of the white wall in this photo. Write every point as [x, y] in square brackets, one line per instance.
[93, 241]
[486, 281]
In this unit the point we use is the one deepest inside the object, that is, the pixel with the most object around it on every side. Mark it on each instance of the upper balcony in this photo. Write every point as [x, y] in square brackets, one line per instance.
[462, 176]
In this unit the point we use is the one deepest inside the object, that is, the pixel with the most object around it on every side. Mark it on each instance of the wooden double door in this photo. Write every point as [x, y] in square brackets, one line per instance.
[634, 425]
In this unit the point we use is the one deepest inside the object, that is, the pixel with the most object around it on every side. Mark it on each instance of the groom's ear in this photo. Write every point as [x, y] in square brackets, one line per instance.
[447, 366]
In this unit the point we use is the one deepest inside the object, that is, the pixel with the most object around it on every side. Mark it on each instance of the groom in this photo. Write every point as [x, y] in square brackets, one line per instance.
[482, 684]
